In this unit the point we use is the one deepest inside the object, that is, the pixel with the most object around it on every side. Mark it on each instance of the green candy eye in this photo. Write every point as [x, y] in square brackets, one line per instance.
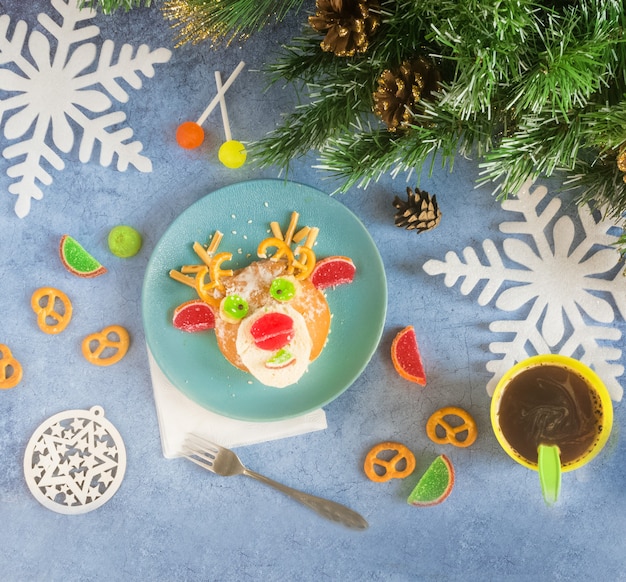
[282, 289]
[234, 307]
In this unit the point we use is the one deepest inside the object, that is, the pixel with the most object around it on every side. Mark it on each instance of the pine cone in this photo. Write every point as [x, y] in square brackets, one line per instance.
[420, 212]
[348, 24]
[401, 89]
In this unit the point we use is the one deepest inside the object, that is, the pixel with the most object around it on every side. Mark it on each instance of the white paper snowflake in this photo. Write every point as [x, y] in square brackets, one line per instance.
[53, 90]
[75, 461]
[571, 292]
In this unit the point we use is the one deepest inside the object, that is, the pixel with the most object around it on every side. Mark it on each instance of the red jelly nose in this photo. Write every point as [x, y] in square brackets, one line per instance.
[272, 331]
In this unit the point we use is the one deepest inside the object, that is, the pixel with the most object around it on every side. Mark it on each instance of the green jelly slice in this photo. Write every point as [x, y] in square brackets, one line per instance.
[435, 485]
[77, 260]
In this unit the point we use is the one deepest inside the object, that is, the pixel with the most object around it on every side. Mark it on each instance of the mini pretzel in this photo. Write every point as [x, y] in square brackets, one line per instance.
[303, 266]
[102, 340]
[282, 249]
[451, 433]
[204, 289]
[48, 318]
[390, 467]
[10, 369]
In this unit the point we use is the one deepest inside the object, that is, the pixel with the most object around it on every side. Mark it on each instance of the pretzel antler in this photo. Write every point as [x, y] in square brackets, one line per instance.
[196, 275]
[302, 266]
[206, 277]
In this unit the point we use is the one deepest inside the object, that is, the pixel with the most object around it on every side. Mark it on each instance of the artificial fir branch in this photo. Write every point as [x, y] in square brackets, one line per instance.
[487, 42]
[110, 6]
[308, 126]
[301, 62]
[604, 126]
[521, 155]
[369, 153]
[600, 183]
[530, 88]
[223, 20]
[576, 62]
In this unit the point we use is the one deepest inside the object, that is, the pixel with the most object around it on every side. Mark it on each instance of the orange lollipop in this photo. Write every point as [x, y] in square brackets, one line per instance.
[189, 135]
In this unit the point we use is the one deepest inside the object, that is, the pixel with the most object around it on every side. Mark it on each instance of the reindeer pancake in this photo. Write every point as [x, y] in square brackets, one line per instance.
[269, 318]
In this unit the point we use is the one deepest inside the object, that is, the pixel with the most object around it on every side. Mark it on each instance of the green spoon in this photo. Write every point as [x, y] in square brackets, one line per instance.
[549, 465]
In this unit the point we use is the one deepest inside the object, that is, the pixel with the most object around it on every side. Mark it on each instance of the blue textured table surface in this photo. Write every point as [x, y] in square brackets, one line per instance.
[172, 521]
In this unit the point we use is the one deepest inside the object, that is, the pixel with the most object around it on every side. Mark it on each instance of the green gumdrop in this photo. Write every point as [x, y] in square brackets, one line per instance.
[282, 289]
[235, 307]
[124, 241]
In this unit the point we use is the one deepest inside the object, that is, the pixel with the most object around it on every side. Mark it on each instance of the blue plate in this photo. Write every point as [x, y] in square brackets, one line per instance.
[243, 211]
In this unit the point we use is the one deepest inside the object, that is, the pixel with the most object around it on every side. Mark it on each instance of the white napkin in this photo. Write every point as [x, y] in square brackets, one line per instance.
[178, 416]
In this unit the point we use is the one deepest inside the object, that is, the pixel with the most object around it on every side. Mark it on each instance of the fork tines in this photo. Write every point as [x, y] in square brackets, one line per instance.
[194, 442]
[199, 451]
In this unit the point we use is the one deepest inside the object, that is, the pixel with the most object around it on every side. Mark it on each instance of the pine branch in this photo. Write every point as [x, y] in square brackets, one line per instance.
[302, 62]
[110, 6]
[540, 145]
[575, 60]
[330, 110]
[368, 156]
[224, 20]
[585, 146]
[531, 88]
[403, 19]
[371, 152]
[488, 42]
[604, 126]
[599, 184]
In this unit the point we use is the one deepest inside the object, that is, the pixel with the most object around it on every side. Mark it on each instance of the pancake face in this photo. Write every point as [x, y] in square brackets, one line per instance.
[270, 318]
[288, 333]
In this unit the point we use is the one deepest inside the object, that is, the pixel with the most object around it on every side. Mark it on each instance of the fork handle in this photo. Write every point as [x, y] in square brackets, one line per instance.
[324, 507]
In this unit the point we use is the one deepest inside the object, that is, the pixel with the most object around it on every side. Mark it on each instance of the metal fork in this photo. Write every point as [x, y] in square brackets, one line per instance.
[225, 462]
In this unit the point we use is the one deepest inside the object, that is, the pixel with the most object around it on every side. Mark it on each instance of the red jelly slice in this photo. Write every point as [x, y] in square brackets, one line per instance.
[193, 316]
[333, 271]
[272, 331]
[406, 357]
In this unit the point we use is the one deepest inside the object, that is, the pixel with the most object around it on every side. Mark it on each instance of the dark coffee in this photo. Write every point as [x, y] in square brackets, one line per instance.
[550, 404]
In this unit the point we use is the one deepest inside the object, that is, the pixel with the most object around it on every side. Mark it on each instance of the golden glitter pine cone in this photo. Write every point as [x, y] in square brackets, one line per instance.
[400, 89]
[419, 212]
[347, 24]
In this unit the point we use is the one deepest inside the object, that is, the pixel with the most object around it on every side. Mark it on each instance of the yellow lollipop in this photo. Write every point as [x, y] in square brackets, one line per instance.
[232, 153]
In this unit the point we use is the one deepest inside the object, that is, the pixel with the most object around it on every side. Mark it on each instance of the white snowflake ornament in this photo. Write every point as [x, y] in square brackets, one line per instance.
[52, 89]
[75, 461]
[567, 287]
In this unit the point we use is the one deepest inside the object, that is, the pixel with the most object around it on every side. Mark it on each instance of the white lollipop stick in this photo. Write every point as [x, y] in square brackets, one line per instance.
[218, 83]
[221, 93]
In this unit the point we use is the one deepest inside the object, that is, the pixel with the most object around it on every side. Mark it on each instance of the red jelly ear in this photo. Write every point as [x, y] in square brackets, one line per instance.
[194, 316]
[333, 271]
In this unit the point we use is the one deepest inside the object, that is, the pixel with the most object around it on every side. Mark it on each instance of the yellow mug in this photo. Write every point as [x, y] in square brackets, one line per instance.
[555, 400]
